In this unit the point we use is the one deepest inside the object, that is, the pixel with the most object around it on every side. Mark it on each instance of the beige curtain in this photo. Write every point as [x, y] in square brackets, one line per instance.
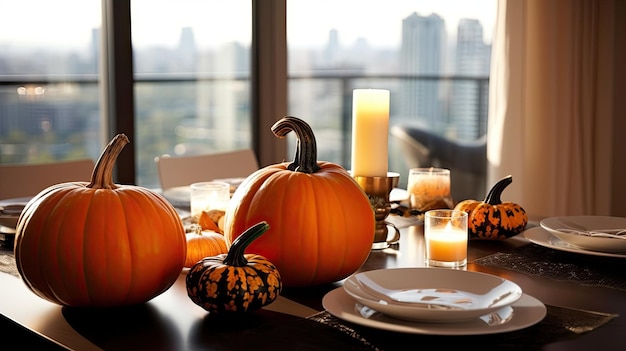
[550, 114]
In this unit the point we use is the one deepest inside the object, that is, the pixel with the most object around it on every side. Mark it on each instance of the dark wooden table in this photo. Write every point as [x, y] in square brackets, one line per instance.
[172, 322]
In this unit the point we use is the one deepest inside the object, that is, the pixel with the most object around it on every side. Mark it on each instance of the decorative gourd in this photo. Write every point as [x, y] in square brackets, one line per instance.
[322, 223]
[201, 244]
[493, 219]
[235, 282]
[99, 244]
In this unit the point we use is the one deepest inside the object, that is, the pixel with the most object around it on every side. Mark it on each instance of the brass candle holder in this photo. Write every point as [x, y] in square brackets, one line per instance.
[378, 190]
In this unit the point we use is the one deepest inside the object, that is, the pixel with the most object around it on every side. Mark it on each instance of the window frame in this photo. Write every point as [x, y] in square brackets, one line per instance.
[268, 80]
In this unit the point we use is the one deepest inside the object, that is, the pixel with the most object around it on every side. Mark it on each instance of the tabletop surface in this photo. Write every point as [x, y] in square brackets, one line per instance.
[171, 321]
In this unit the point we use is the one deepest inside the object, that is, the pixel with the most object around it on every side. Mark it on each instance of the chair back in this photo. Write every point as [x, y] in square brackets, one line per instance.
[466, 160]
[183, 170]
[24, 180]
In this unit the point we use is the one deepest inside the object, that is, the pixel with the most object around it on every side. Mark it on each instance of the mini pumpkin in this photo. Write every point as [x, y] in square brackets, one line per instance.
[235, 282]
[203, 243]
[322, 222]
[492, 219]
[99, 244]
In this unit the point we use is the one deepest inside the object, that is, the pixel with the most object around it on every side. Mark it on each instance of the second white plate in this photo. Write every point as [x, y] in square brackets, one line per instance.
[562, 226]
[544, 238]
[527, 311]
[12, 210]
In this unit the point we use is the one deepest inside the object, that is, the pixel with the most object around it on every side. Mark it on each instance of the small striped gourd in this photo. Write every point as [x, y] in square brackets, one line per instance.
[492, 219]
[235, 282]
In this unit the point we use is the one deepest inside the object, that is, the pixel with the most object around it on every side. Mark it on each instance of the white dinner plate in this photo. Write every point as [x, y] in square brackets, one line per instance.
[12, 209]
[9, 220]
[527, 311]
[179, 195]
[542, 237]
[428, 294]
[565, 228]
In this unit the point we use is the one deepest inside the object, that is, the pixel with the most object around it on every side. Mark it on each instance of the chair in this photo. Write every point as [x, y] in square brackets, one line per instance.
[26, 180]
[177, 171]
[467, 160]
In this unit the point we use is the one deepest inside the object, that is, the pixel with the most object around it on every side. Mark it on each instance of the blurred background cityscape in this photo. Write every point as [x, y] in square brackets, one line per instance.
[192, 98]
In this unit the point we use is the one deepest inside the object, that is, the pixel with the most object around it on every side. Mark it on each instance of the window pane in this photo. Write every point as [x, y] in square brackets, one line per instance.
[432, 55]
[49, 96]
[192, 91]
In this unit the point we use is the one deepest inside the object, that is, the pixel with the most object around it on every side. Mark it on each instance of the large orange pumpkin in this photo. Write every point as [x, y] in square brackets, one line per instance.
[321, 221]
[99, 244]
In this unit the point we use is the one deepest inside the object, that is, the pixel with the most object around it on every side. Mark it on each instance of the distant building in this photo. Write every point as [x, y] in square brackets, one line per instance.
[331, 51]
[421, 53]
[186, 52]
[468, 115]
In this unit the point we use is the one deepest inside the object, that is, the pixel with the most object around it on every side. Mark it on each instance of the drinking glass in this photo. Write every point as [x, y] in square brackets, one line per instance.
[445, 234]
[207, 196]
[429, 189]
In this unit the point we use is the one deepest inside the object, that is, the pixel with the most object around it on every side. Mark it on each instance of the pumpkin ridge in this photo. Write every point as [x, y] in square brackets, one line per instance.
[141, 254]
[139, 251]
[124, 276]
[155, 221]
[335, 269]
[314, 248]
[28, 213]
[106, 266]
[66, 271]
[86, 259]
[311, 246]
[130, 278]
[282, 196]
[63, 269]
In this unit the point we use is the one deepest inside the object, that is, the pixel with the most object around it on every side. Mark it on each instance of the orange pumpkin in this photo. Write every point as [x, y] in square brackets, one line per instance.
[99, 244]
[493, 219]
[201, 244]
[321, 221]
[235, 282]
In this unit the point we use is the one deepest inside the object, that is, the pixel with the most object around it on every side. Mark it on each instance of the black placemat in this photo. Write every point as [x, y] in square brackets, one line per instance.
[7, 260]
[536, 260]
[559, 324]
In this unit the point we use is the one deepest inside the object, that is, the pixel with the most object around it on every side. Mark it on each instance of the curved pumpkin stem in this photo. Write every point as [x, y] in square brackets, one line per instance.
[305, 158]
[493, 197]
[102, 176]
[235, 256]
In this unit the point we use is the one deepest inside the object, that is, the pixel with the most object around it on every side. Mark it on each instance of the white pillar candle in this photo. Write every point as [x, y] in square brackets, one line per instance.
[370, 130]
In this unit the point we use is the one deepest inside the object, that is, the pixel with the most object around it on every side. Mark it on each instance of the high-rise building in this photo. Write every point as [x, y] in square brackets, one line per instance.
[468, 114]
[186, 51]
[422, 53]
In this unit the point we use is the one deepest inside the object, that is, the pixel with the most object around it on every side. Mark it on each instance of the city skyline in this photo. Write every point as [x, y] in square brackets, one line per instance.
[158, 24]
[174, 114]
